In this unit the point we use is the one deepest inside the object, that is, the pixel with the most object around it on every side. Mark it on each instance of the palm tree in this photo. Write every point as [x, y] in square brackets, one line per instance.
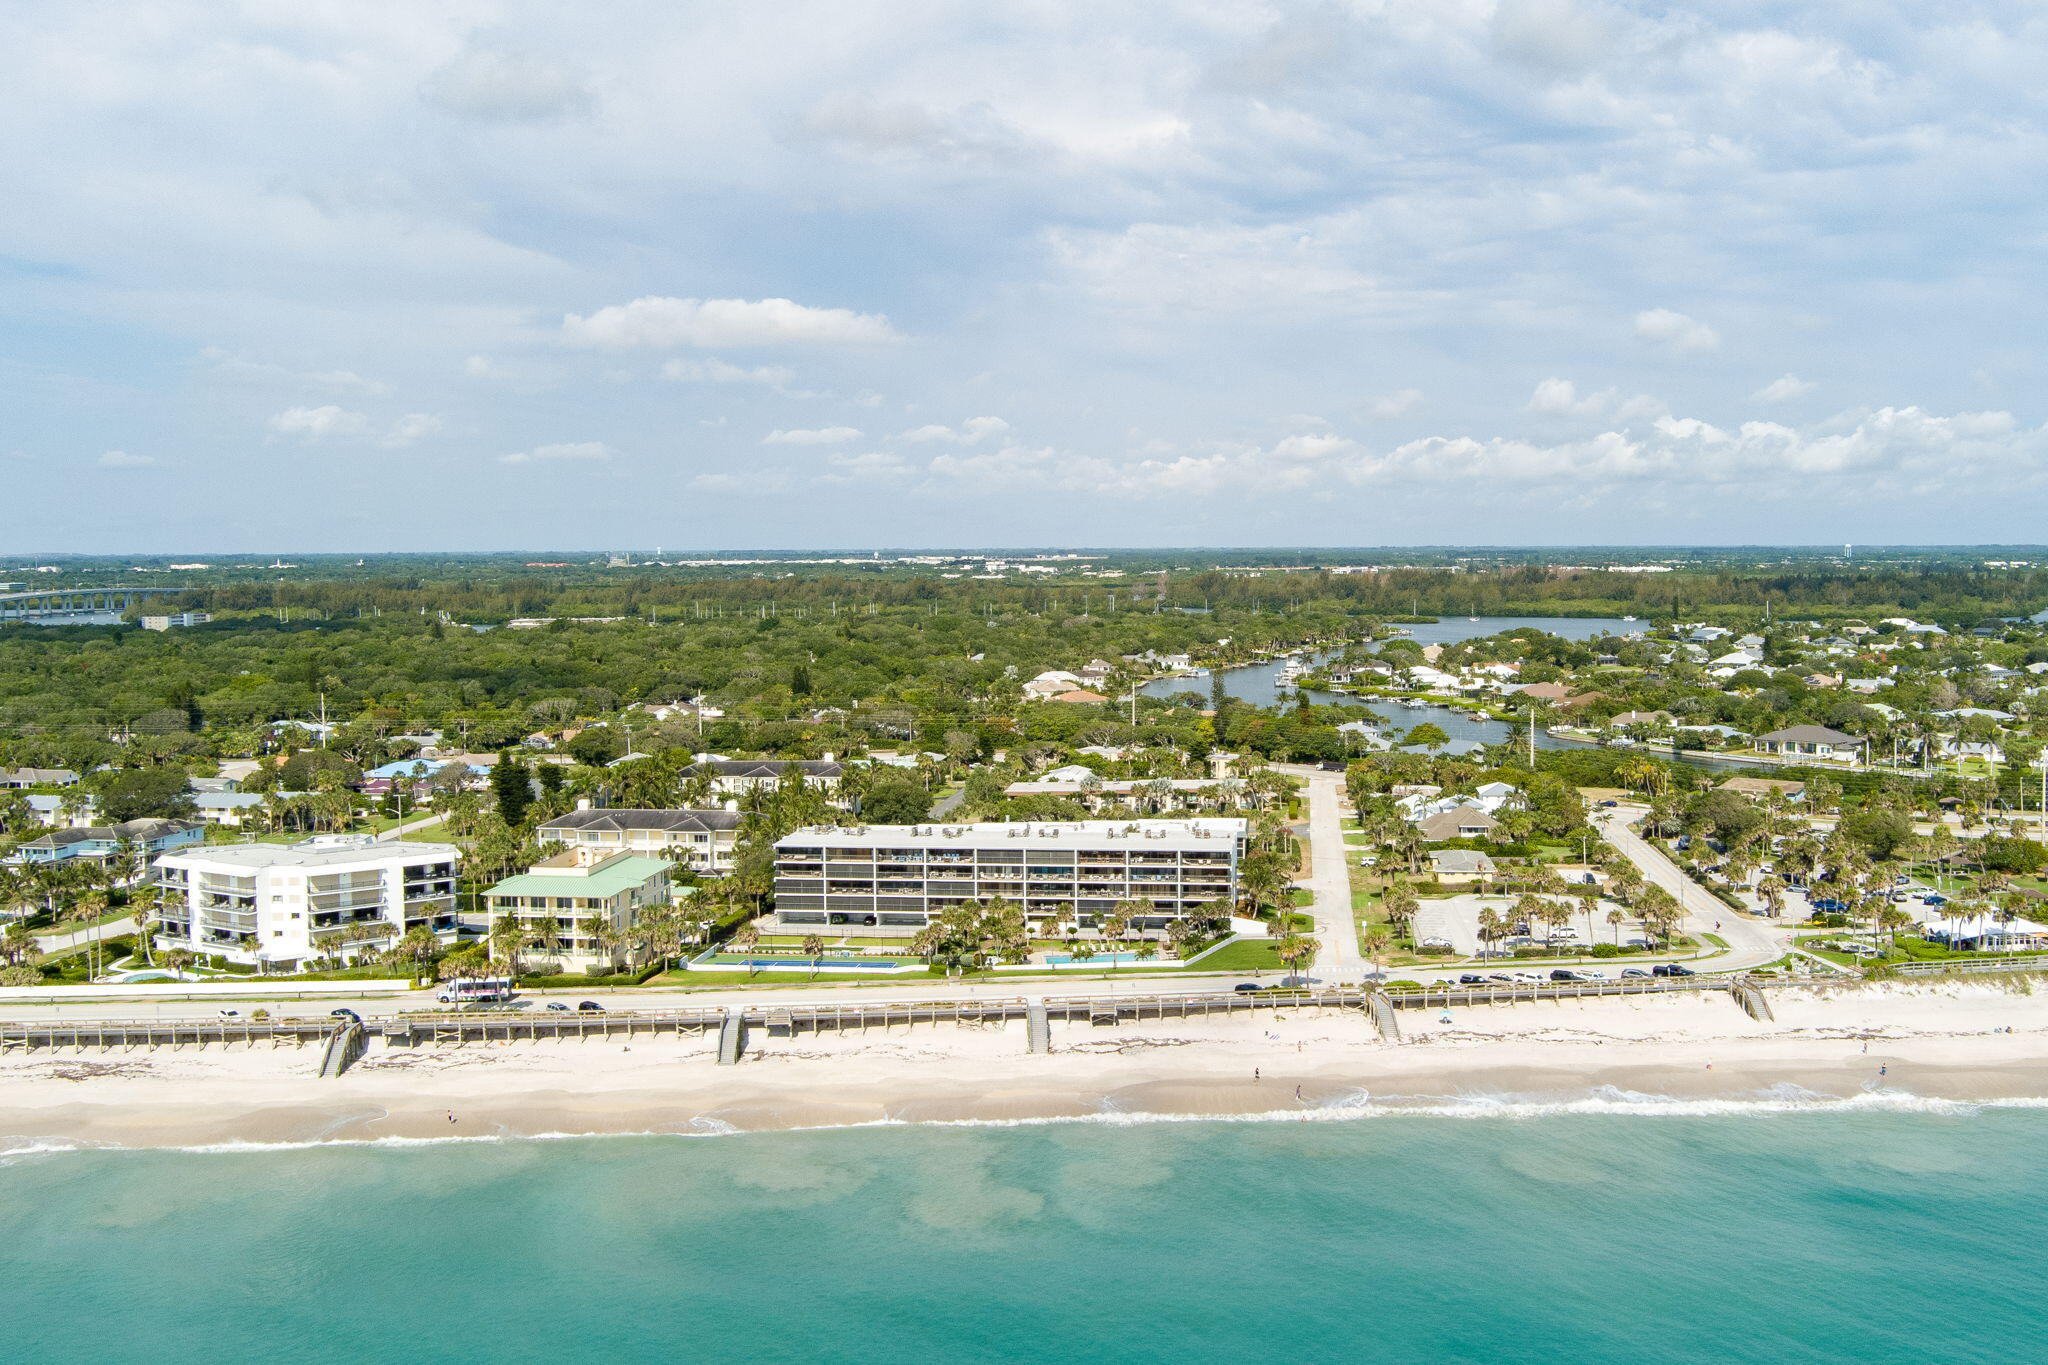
[814, 949]
[1615, 920]
[1296, 949]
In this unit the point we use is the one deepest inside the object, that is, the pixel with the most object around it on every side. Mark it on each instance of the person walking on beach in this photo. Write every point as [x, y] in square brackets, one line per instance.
[1255, 1073]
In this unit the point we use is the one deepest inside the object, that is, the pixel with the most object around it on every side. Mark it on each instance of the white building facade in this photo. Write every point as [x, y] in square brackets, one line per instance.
[332, 896]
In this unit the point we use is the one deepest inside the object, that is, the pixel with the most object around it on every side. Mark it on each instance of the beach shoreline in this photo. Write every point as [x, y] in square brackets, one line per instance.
[1894, 1045]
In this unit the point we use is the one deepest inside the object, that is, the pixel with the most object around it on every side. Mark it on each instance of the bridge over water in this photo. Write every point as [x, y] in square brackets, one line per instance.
[72, 606]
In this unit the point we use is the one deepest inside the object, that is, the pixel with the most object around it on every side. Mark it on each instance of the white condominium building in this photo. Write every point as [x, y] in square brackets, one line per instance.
[893, 878]
[331, 896]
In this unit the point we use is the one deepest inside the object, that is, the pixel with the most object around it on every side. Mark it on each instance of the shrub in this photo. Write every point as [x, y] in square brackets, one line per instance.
[1609, 950]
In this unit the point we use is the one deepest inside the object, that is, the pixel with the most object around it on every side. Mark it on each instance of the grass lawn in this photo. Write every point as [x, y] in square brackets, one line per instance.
[1245, 955]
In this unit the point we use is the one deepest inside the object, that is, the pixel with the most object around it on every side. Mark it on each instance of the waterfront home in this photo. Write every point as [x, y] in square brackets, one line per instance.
[700, 839]
[1811, 741]
[580, 914]
[339, 896]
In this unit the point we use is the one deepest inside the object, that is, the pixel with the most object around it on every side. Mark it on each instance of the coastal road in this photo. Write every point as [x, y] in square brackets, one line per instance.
[1329, 880]
[1751, 943]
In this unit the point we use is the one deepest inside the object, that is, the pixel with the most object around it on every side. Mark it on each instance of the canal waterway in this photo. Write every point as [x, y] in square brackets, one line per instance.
[1259, 684]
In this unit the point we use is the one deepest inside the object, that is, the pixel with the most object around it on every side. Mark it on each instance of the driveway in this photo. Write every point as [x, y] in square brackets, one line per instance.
[1751, 942]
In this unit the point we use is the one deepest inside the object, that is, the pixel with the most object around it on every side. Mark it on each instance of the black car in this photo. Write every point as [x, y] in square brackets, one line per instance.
[349, 1015]
[1564, 974]
[1501, 977]
[1469, 979]
[1671, 969]
[1247, 986]
[589, 1007]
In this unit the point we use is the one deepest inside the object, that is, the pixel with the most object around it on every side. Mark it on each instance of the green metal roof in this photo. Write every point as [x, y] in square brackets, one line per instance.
[620, 874]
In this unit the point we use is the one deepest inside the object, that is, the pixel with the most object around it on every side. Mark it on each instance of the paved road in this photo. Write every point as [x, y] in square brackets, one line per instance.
[1330, 881]
[412, 827]
[1751, 943]
[71, 938]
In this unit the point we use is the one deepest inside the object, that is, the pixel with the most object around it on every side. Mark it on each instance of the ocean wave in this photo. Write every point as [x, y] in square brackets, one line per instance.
[1351, 1107]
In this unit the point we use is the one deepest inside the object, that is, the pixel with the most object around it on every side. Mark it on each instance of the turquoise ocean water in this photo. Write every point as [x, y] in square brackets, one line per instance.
[1863, 1236]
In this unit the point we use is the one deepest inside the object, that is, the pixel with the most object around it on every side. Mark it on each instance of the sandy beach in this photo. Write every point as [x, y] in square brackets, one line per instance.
[1894, 1044]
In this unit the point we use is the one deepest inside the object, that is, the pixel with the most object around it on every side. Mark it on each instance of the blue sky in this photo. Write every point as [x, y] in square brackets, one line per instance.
[337, 275]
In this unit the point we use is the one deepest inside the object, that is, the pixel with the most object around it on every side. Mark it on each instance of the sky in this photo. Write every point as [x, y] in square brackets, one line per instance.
[332, 275]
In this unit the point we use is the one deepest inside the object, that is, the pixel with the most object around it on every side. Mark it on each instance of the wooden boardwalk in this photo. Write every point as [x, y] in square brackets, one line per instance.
[790, 1021]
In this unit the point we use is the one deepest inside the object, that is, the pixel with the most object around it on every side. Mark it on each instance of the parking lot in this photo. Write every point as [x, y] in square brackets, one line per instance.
[1455, 919]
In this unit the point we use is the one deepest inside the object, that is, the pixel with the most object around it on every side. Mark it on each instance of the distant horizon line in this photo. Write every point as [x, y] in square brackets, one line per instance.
[972, 551]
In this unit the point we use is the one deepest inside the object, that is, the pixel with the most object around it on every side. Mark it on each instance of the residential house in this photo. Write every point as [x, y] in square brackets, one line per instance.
[1460, 864]
[1812, 741]
[1760, 788]
[1459, 822]
[18, 779]
[99, 842]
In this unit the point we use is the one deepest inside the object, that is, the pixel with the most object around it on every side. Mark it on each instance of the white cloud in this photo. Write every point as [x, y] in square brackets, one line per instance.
[820, 436]
[506, 87]
[1399, 403]
[235, 369]
[121, 459]
[874, 466]
[1784, 389]
[715, 371]
[414, 426]
[478, 367]
[315, 424]
[1676, 330]
[969, 432]
[1560, 398]
[570, 450]
[718, 483]
[655, 321]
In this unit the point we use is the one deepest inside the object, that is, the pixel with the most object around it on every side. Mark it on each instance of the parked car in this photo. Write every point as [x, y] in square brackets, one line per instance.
[1671, 969]
[1609, 805]
[1567, 974]
[558, 1007]
[1830, 907]
[230, 1014]
[1502, 977]
[347, 1014]
[1635, 972]
[1471, 979]
[1247, 986]
[589, 1007]
[1934, 898]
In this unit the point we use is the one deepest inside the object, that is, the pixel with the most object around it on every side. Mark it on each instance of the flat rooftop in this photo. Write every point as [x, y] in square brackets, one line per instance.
[316, 853]
[1205, 835]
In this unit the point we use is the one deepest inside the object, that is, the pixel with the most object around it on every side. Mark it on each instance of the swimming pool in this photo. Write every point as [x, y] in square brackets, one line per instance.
[1104, 959]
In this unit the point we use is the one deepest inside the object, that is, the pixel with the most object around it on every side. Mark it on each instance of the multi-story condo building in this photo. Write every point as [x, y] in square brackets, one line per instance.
[334, 896]
[737, 776]
[707, 837]
[579, 913]
[892, 879]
